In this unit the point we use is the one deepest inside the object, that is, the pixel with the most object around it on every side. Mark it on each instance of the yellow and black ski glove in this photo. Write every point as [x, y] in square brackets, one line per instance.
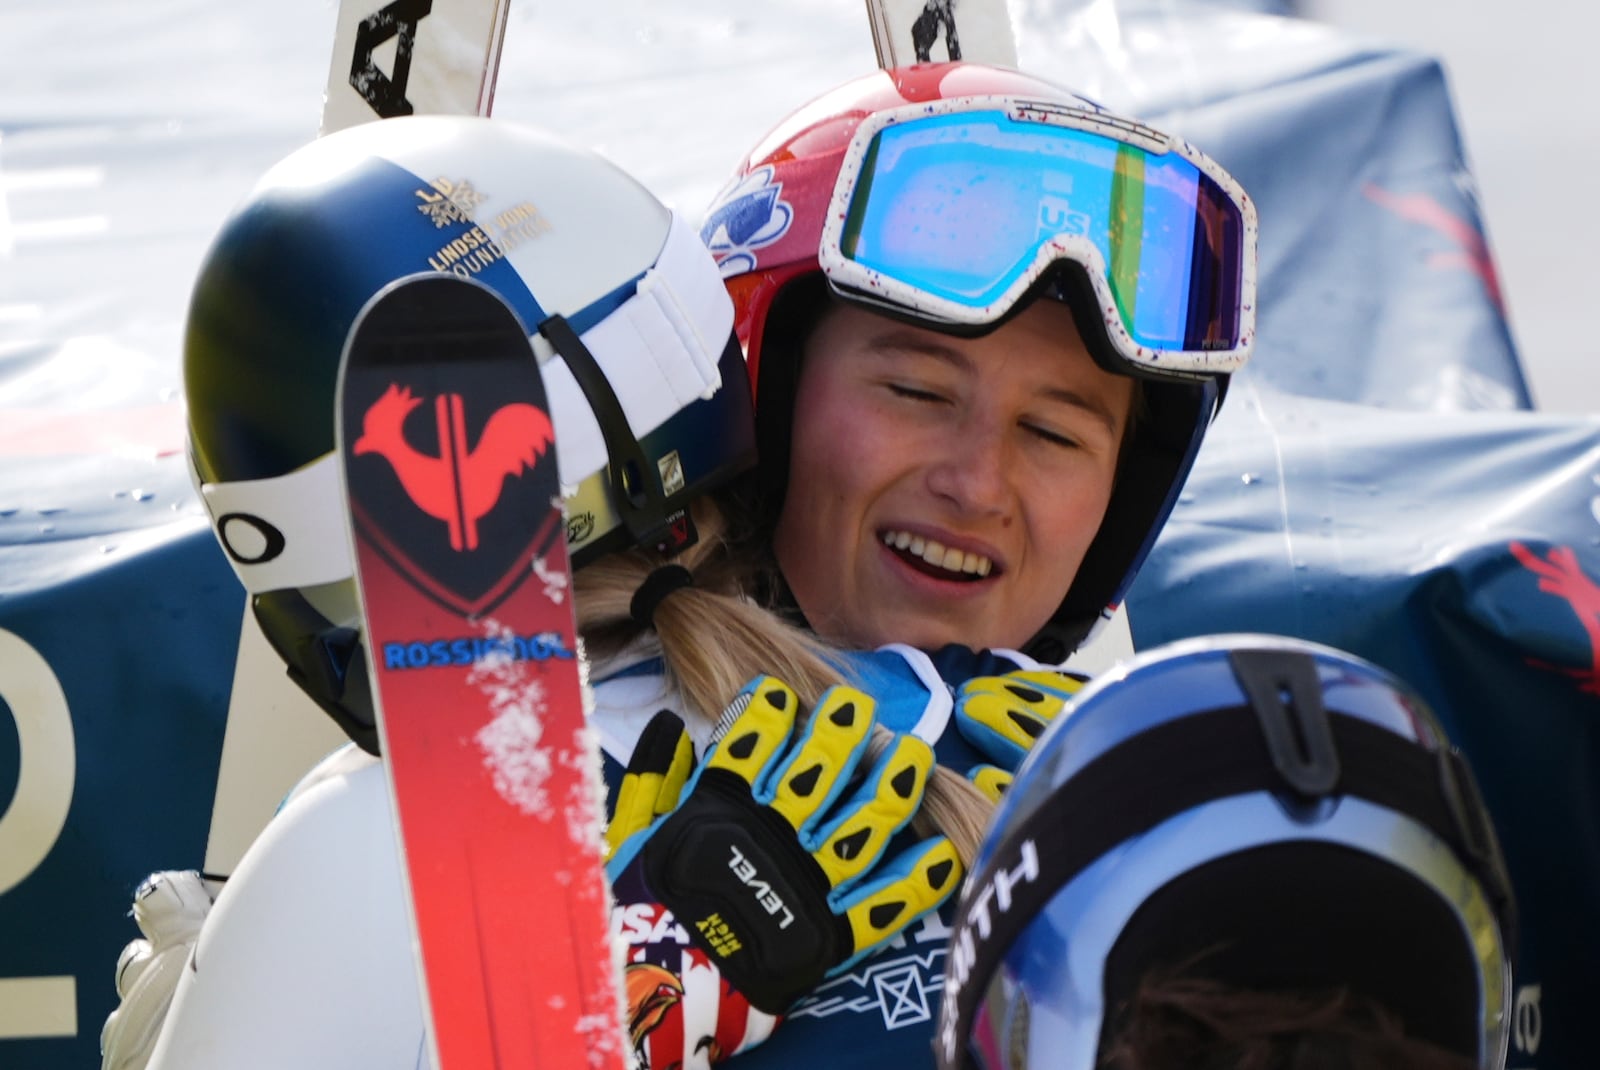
[773, 862]
[653, 783]
[1001, 716]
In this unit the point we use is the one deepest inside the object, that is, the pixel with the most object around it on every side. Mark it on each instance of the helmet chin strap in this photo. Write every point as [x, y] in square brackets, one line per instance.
[324, 660]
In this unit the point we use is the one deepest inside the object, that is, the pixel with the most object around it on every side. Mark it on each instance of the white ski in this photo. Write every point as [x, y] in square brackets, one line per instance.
[405, 57]
[933, 31]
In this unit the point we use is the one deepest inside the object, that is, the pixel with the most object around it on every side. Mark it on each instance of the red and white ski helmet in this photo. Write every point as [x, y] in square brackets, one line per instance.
[654, 411]
[782, 230]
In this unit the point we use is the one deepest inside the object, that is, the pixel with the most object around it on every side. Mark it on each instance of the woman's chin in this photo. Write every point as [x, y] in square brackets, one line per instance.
[868, 625]
[930, 635]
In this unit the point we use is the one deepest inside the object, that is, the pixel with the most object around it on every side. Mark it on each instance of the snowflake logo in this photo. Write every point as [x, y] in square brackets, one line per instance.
[448, 202]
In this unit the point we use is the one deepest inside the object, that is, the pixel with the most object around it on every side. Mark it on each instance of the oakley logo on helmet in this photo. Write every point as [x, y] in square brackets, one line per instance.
[747, 215]
[230, 527]
[1528, 1022]
[459, 485]
[974, 927]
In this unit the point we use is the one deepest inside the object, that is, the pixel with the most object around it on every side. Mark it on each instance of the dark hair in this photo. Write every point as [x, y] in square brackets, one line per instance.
[1176, 1021]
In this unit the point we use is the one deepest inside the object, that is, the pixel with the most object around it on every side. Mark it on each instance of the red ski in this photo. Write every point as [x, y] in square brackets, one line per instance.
[450, 471]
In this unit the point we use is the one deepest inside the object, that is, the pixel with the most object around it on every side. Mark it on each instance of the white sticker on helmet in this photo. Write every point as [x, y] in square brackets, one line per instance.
[288, 531]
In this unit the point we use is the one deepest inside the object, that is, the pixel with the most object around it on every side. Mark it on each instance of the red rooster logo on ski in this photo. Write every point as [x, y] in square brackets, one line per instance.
[461, 484]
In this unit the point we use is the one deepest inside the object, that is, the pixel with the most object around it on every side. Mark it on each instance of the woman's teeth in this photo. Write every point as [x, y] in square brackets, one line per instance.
[937, 554]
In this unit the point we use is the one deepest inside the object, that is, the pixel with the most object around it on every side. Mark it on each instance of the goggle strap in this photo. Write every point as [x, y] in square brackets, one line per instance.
[635, 482]
[659, 349]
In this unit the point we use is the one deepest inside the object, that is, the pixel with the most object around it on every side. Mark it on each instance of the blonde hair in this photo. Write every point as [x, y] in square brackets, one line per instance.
[714, 638]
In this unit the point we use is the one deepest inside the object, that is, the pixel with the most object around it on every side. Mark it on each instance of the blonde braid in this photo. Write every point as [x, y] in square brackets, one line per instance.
[713, 639]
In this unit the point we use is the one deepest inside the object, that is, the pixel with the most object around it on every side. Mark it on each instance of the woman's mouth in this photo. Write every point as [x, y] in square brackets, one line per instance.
[933, 558]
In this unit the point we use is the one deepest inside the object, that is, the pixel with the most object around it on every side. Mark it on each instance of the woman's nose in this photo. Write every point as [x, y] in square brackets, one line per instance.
[972, 472]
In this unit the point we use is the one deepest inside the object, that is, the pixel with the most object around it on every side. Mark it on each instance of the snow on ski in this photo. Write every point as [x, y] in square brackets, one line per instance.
[459, 541]
[405, 57]
[923, 31]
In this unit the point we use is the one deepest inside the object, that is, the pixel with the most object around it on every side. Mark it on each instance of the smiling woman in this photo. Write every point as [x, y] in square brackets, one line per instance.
[968, 277]
[988, 324]
[945, 490]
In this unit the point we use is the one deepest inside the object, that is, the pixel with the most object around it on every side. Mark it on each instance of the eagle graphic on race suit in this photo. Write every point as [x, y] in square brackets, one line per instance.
[681, 1014]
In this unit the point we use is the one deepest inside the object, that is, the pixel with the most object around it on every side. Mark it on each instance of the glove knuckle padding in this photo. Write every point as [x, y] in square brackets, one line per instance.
[656, 773]
[853, 841]
[1003, 715]
[1016, 713]
[759, 733]
[917, 882]
[130, 964]
[809, 781]
[991, 780]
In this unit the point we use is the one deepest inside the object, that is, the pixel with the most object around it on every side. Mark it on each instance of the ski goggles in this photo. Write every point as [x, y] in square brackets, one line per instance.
[951, 211]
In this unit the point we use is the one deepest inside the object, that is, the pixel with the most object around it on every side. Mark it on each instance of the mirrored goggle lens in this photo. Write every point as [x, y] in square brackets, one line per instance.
[959, 206]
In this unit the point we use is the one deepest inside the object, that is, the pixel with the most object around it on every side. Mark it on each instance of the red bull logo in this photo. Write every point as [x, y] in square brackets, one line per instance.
[1473, 254]
[1560, 575]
